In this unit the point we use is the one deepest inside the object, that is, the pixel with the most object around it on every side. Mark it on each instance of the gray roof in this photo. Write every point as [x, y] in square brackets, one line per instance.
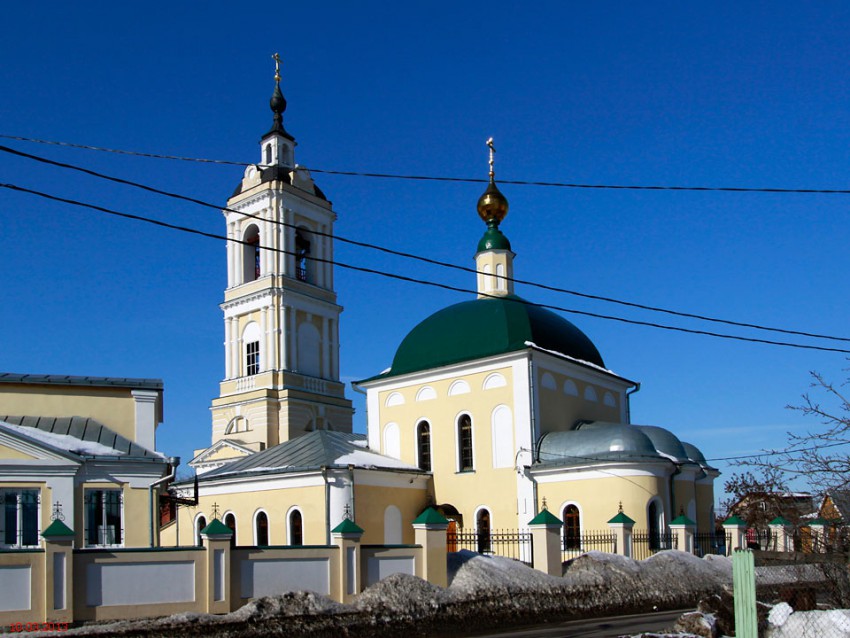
[84, 429]
[64, 379]
[309, 451]
[600, 441]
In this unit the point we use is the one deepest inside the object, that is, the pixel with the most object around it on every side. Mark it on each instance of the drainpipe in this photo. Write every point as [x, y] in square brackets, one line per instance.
[677, 471]
[633, 390]
[327, 505]
[533, 429]
[173, 462]
[351, 483]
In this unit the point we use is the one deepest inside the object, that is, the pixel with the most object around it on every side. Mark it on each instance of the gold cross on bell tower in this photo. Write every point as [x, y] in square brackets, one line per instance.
[492, 158]
[276, 58]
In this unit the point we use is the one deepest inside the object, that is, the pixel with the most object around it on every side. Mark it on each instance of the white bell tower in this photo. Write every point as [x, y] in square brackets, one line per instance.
[281, 319]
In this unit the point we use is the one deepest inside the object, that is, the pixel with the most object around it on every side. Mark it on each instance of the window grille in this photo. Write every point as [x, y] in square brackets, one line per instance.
[424, 440]
[20, 522]
[104, 518]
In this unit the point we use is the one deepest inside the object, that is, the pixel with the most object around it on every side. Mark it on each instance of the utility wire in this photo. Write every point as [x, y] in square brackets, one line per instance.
[425, 282]
[421, 258]
[467, 180]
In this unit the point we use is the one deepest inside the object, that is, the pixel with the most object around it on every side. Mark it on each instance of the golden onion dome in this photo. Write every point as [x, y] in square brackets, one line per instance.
[492, 205]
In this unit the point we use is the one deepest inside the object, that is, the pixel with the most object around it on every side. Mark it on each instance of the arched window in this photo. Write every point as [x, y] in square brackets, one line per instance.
[261, 529]
[572, 527]
[392, 440]
[268, 153]
[464, 443]
[482, 529]
[653, 519]
[230, 521]
[296, 528]
[423, 445]
[251, 254]
[302, 252]
[200, 524]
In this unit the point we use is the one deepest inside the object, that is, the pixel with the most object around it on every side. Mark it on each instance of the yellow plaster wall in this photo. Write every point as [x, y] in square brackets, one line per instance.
[559, 411]
[114, 407]
[10, 453]
[598, 499]
[487, 486]
[705, 505]
[275, 503]
[370, 503]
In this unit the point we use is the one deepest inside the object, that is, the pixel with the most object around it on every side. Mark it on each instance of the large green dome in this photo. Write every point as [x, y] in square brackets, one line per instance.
[486, 327]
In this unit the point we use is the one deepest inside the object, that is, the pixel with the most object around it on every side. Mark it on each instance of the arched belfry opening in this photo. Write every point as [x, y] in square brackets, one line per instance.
[302, 255]
[251, 254]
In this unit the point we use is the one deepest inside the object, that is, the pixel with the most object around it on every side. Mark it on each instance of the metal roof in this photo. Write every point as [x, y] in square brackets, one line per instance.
[64, 379]
[84, 429]
[312, 450]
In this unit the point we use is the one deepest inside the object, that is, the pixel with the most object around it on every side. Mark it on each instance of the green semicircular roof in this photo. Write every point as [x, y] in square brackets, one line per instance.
[486, 327]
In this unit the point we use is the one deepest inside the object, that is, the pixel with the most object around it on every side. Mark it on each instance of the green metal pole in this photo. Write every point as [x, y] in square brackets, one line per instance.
[744, 590]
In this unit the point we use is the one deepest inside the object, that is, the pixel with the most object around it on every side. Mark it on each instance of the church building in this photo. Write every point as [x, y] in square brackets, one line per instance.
[492, 410]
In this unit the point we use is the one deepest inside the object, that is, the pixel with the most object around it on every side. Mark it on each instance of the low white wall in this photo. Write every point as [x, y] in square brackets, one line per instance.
[276, 576]
[151, 583]
[15, 587]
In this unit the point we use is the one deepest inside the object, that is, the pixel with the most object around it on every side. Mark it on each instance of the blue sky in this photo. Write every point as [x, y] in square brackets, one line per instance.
[713, 94]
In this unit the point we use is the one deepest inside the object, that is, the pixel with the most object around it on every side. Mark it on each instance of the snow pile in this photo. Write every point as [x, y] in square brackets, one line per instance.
[784, 622]
[402, 596]
[297, 603]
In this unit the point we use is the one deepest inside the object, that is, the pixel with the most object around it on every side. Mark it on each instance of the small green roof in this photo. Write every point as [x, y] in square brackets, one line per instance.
[780, 520]
[493, 239]
[734, 520]
[819, 521]
[431, 517]
[57, 529]
[347, 527]
[216, 528]
[545, 517]
[682, 520]
[622, 519]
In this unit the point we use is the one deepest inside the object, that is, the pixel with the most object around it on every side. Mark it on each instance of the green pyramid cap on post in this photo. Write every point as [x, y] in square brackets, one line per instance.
[431, 517]
[57, 529]
[347, 527]
[622, 519]
[780, 520]
[545, 517]
[682, 520]
[734, 521]
[216, 528]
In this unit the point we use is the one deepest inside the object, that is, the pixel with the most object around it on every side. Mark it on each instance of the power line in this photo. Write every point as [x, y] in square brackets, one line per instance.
[423, 259]
[425, 282]
[467, 180]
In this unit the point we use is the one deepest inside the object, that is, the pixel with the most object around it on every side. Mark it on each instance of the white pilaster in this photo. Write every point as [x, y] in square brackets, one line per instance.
[146, 417]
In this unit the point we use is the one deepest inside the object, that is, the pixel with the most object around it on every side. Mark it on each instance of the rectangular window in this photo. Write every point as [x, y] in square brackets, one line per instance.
[252, 358]
[104, 518]
[20, 522]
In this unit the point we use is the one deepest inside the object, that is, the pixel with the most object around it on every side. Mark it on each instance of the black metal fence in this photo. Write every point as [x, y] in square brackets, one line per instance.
[762, 539]
[646, 543]
[575, 545]
[712, 543]
[508, 543]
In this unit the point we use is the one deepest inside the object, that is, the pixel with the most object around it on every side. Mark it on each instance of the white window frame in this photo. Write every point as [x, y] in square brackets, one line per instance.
[87, 494]
[19, 516]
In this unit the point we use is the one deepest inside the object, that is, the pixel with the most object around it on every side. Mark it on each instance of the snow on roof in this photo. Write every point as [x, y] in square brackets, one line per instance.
[364, 458]
[589, 364]
[63, 442]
